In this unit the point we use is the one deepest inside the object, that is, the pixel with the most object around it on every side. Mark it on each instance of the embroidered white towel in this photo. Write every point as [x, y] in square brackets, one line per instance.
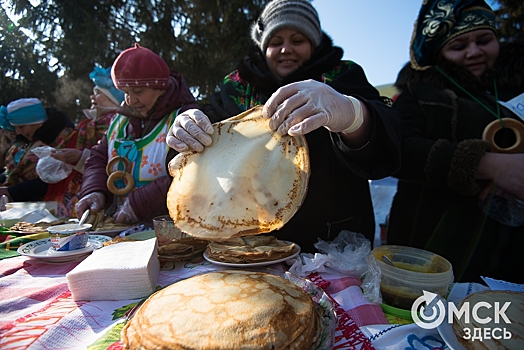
[126, 270]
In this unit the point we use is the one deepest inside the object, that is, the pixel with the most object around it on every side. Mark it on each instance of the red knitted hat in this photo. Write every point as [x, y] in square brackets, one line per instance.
[140, 67]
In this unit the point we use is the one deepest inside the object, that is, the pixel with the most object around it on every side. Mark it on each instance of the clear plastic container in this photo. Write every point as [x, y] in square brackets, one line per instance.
[415, 271]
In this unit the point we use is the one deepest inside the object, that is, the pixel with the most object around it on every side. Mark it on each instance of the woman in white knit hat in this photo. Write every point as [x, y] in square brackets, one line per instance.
[307, 89]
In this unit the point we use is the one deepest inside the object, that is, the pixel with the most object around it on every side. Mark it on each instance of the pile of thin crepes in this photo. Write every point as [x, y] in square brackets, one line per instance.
[99, 223]
[505, 329]
[250, 181]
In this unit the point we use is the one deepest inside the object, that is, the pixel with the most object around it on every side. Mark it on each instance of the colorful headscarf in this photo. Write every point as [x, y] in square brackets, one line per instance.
[103, 83]
[24, 111]
[140, 67]
[440, 21]
[4, 124]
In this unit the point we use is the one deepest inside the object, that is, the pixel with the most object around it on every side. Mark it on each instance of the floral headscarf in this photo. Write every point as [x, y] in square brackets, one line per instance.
[441, 20]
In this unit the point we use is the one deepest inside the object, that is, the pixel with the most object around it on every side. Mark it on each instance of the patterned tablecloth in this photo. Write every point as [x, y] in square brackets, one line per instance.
[37, 310]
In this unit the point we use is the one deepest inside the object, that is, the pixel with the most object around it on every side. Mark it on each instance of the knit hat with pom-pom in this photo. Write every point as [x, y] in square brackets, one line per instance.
[278, 14]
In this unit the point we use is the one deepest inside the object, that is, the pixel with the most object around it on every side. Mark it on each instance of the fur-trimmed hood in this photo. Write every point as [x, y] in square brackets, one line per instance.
[509, 70]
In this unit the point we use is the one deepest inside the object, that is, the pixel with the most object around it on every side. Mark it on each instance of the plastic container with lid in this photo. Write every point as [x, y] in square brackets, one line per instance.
[69, 237]
[416, 270]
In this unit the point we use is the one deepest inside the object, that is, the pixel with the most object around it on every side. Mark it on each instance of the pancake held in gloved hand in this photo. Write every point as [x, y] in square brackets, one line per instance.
[249, 181]
[250, 249]
[226, 310]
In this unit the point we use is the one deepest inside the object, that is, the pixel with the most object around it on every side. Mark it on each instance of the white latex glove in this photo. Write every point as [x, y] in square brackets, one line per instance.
[94, 201]
[190, 131]
[125, 214]
[301, 107]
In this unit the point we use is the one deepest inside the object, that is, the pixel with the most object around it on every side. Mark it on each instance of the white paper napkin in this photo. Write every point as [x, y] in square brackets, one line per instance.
[38, 216]
[29, 215]
[126, 270]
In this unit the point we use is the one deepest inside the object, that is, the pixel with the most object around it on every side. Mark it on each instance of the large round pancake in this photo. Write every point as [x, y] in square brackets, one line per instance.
[249, 181]
[225, 310]
[515, 314]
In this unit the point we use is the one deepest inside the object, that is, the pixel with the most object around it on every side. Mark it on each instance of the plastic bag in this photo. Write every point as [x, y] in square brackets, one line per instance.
[49, 169]
[350, 254]
[507, 211]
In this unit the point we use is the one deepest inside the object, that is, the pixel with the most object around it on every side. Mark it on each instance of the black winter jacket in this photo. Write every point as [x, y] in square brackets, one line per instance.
[338, 195]
[436, 206]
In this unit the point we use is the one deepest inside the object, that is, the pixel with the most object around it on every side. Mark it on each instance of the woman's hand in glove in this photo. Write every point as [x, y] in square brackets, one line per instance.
[94, 201]
[301, 107]
[125, 214]
[190, 131]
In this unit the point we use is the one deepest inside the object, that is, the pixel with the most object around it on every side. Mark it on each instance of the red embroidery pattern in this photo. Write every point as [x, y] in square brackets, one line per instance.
[118, 345]
[37, 323]
[347, 335]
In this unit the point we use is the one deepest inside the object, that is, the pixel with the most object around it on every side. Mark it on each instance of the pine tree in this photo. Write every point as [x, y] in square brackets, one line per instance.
[510, 20]
[203, 39]
[26, 70]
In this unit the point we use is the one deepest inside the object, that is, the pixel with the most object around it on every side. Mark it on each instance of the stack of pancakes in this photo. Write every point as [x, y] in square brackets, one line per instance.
[181, 249]
[100, 222]
[27, 227]
[250, 249]
[514, 313]
[226, 310]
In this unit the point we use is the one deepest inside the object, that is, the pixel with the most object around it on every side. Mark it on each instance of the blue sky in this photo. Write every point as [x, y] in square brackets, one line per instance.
[374, 33]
